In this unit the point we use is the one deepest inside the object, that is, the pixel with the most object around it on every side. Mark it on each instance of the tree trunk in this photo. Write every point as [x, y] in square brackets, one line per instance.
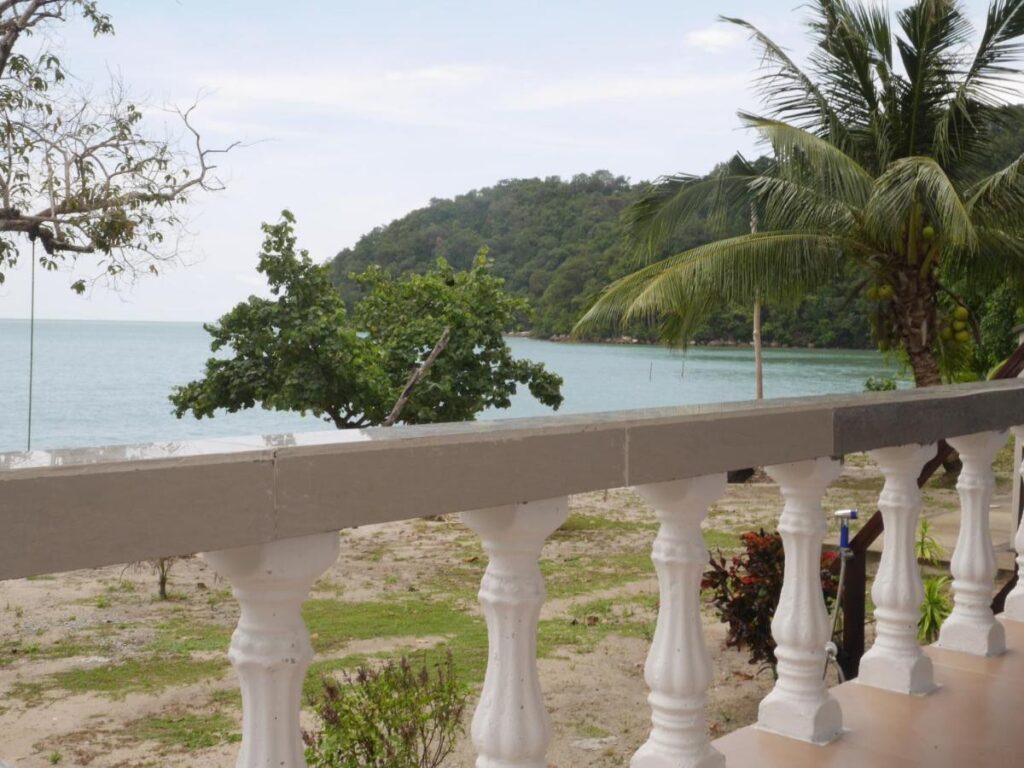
[915, 314]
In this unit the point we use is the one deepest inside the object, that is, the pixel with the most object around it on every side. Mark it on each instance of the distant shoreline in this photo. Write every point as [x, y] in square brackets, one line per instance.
[712, 344]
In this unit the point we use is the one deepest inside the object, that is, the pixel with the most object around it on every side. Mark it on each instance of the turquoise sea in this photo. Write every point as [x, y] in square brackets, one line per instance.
[99, 383]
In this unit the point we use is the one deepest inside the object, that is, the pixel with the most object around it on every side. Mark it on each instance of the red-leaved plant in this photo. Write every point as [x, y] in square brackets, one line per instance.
[745, 590]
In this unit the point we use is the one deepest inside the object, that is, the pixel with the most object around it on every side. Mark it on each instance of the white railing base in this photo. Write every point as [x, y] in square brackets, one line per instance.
[911, 674]
[1013, 610]
[270, 648]
[819, 722]
[967, 636]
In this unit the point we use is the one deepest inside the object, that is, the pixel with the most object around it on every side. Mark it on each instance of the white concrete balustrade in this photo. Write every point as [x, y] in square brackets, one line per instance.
[270, 648]
[272, 516]
[678, 668]
[1014, 606]
[511, 727]
[896, 661]
[971, 627]
[800, 706]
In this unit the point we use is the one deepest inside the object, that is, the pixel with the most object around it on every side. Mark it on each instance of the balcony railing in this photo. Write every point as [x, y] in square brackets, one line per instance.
[266, 512]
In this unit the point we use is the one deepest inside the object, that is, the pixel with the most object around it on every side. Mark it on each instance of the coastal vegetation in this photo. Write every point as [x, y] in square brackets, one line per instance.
[880, 179]
[419, 349]
[557, 242]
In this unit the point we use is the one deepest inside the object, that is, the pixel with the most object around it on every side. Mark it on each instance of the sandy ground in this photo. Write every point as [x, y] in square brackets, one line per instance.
[61, 636]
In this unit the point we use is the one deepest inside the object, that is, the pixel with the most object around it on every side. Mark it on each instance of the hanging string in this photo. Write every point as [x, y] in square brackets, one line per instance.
[31, 345]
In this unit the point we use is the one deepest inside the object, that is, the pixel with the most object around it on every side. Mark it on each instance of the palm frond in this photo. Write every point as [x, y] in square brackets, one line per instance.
[801, 155]
[789, 92]
[935, 32]
[998, 199]
[671, 201]
[918, 183]
[845, 58]
[679, 291]
[787, 204]
[998, 257]
[989, 81]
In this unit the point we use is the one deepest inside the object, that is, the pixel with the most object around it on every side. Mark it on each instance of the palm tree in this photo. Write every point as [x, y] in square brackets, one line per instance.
[876, 146]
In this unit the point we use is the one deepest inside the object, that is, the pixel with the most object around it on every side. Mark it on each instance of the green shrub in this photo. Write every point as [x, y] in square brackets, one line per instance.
[745, 591]
[880, 384]
[396, 716]
[935, 608]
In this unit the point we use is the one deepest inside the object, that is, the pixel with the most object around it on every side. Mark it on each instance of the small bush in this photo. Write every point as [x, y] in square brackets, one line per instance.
[392, 717]
[880, 384]
[745, 591]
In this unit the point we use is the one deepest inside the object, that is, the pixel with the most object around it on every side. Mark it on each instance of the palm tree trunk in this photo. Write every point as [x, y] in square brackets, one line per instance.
[916, 318]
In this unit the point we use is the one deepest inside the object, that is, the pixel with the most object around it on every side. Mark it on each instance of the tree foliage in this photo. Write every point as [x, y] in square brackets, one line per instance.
[79, 172]
[881, 154]
[558, 242]
[303, 351]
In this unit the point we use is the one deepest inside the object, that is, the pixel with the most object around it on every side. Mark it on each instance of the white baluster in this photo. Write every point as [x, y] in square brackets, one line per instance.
[896, 662]
[1014, 607]
[971, 627]
[511, 727]
[270, 648]
[678, 669]
[800, 706]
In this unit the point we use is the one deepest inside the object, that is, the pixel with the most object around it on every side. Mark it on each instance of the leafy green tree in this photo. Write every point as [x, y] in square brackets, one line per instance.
[79, 173]
[302, 350]
[879, 148]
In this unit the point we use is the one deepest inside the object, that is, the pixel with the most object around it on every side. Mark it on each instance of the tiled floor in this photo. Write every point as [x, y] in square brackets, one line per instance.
[974, 720]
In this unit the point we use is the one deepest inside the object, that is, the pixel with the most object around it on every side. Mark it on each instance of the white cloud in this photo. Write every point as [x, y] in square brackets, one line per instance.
[409, 96]
[623, 88]
[714, 38]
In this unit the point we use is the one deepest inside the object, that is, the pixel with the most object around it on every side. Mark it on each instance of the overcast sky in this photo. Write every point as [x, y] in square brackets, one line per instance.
[358, 112]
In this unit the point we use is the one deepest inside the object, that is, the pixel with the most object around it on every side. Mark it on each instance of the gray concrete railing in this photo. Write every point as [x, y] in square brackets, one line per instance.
[266, 511]
[68, 509]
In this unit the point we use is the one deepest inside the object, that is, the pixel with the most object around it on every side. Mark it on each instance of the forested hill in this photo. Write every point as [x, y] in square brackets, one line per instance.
[553, 240]
[559, 242]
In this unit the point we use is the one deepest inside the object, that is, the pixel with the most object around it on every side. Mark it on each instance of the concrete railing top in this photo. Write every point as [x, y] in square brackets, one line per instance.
[88, 507]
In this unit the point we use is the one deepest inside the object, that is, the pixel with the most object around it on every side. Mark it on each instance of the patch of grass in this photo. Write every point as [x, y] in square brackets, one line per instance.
[581, 524]
[187, 731]
[582, 574]
[181, 635]
[63, 648]
[333, 623]
[714, 539]
[145, 675]
[590, 731]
